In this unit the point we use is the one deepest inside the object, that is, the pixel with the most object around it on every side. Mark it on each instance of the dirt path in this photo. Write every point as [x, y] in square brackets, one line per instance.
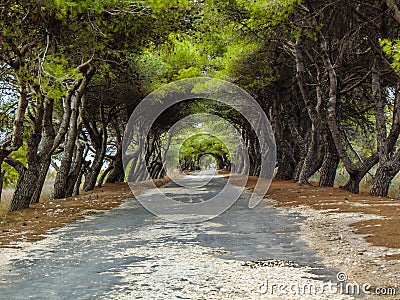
[357, 235]
[128, 253]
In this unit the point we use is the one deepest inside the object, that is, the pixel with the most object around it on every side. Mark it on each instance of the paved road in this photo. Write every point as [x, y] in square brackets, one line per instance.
[128, 253]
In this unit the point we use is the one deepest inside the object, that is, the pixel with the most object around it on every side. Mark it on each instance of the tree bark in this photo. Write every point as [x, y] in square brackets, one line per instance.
[44, 168]
[100, 142]
[28, 181]
[330, 164]
[332, 112]
[2, 174]
[356, 173]
[353, 184]
[384, 176]
[388, 162]
[286, 163]
[25, 184]
[305, 172]
[91, 179]
[75, 171]
[395, 9]
[16, 140]
[117, 173]
[104, 175]
[18, 128]
[380, 119]
[60, 184]
[330, 158]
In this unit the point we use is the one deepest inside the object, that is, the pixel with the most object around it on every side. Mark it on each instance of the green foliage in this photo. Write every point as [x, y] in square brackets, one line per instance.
[11, 175]
[200, 144]
[56, 74]
[176, 59]
[266, 12]
[392, 49]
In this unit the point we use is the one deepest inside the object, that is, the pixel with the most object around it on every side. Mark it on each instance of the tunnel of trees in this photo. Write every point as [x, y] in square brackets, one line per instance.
[195, 147]
[326, 73]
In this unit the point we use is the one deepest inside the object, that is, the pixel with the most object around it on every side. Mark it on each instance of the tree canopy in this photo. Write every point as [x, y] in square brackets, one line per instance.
[71, 73]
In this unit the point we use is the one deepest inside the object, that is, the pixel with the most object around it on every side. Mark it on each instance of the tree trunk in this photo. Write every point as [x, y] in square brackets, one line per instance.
[317, 163]
[286, 161]
[25, 188]
[353, 184]
[133, 170]
[313, 111]
[41, 180]
[2, 173]
[380, 118]
[91, 180]
[356, 173]
[78, 182]
[117, 173]
[305, 172]
[60, 184]
[285, 169]
[329, 165]
[384, 176]
[104, 175]
[355, 178]
[298, 169]
[76, 168]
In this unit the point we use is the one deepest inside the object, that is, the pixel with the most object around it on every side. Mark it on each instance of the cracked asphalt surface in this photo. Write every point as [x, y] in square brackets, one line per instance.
[128, 253]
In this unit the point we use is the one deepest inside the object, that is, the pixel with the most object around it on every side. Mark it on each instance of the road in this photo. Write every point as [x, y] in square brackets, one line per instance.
[128, 253]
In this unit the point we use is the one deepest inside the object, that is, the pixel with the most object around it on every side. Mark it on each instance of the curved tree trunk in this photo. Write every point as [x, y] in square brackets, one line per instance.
[28, 180]
[60, 184]
[133, 170]
[384, 176]
[353, 184]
